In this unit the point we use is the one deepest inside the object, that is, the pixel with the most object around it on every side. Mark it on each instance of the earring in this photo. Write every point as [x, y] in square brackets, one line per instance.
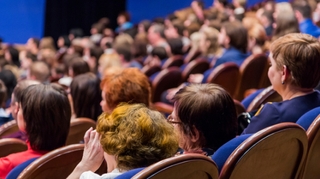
[282, 82]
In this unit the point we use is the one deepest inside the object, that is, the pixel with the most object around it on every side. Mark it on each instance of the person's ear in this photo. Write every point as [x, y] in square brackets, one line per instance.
[195, 134]
[16, 109]
[285, 73]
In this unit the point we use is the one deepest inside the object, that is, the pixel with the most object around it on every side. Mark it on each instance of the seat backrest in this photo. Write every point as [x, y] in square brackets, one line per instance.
[175, 61]
[181, 167]
[251, 72]
[274, 152]
[306, 120]
[166, 79]
[163, 107]
[221, 155]
[78, 128]
[312, 168]
[8, 128]
[14, 173]
[267, 95]
[150, 70]
[11, 145]
[225, 75]
[195, 66]
[59, 162]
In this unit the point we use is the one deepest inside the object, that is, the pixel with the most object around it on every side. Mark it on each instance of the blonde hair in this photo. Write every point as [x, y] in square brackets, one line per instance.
[137, 136]
[107, 61]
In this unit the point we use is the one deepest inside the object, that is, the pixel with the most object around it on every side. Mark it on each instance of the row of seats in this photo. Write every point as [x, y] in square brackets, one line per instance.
[78, 127]
[251, 74]
[283, 151]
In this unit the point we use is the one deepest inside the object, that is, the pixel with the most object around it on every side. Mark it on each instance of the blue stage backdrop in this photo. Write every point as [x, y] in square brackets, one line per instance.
[21, 19]
[150, 9]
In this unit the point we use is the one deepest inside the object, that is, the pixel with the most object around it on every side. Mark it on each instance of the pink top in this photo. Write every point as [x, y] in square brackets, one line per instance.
[9, 162]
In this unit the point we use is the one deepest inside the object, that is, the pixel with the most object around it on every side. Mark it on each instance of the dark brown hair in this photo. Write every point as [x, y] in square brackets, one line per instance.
[237, 34]
[210, 109]
[86, 95]
[46, 112]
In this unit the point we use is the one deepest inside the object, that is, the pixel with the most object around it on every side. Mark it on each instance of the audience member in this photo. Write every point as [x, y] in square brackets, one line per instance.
[132, 136]
[86, 96]
[303, 14]
[36, 108]
[39, 71]
[205, 118]
[127, 85]
[14, 106]
[293, 74]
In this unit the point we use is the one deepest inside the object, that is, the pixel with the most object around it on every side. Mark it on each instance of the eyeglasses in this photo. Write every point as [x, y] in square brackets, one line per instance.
[170, 119]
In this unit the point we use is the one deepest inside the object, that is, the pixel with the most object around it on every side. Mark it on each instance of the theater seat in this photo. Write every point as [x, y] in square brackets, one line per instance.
[78, 128]
[8, 128]
[274, 152]
[306, 119]
[11, 145]
[311, 169]
[184, 166]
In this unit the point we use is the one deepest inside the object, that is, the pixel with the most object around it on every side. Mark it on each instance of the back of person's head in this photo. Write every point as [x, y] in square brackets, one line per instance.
[125, 52]
[139, 49]
[145, 25]
[39, 71]
[285, 23]
[208, 108]
[3, 94]
[258, 33]
[47, 42]
[300, 54]
[238, 35]
[158, 20]
[137, 136]
[107, 61]
[158, 29]
[128, 85]
[9, 80]
[123, 40]
[223, 2]
[159, 52]
[176, 46]
[46, 114]
[14, 54]
[303, 7]
[35, 41]
[192, 28]
[179, 27]
[78, 66]
[211, 36]
[17, 91]
[86, 96]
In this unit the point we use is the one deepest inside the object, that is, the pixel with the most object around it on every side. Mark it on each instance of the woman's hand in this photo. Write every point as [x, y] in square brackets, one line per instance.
[92, 157]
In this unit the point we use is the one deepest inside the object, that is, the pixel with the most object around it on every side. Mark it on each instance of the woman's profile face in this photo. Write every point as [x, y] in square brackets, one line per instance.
[103, 103]
[274, 74]
[177, 124]
[20, 120]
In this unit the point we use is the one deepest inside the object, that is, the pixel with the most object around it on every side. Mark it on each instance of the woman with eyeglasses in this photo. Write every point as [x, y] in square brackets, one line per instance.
[204, 117]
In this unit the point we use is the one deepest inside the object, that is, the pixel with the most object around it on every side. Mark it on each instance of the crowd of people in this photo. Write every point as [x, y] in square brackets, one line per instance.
[99, 77]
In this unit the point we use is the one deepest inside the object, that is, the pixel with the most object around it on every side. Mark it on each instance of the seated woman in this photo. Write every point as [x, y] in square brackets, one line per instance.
[40, 105]
[294, 73]
[132, 136]
[127, 85]
[204, 116]
[85, 96]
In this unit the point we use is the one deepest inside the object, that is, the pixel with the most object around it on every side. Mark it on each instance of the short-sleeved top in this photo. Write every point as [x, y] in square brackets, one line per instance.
[9, 162]
[285, 111]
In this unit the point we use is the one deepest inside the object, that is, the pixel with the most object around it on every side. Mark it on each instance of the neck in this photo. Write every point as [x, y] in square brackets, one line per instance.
[295, 92]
